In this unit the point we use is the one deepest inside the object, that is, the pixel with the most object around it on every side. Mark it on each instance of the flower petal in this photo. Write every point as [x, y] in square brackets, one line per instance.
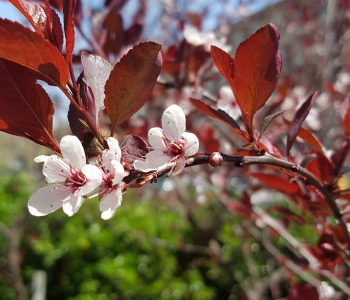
[154, 160]
[57, 169]
[110, 203]
[180, 165]
[156, 138]
[107, 157]
[191, 143]
[118, 172]
[73, 150]
[41, 158]
[46, 200]
[94, 178]
[71, 206]
[113, 145]
[173, 122]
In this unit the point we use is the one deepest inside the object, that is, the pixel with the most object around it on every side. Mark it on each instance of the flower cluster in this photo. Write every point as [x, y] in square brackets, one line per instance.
[170, 144]
[74, 180]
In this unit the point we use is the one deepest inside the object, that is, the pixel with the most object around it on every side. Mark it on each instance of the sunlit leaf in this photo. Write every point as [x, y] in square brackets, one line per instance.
[44, 20]
[96, 73]
[34, 13]
[20, 45]
[68, 13]
[254, 72]
[131, 82]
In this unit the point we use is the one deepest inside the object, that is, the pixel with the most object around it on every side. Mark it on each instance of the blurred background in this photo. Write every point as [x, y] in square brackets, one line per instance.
[175, 239]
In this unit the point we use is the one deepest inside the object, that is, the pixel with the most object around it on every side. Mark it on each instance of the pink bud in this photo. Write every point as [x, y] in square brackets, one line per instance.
[215, 159]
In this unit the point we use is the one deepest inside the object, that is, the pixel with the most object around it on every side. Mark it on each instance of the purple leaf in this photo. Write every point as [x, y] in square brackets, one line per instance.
[134, 147]
[298, 119]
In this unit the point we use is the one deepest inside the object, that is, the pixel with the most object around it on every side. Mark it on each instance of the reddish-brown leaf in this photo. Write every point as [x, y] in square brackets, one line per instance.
[303, 291]
[53, 28]
[133, 147]
[276, 182]
[68, 13]
[44, 20]
[20, 45]
[77, 127]
[54, 3]
[345, 115]
[115, 33]
[34, 13]
[209, 111]
[298, 119]
[254, 72]
[26, 109]
[131, 81]
[309, 138]
[132, 34]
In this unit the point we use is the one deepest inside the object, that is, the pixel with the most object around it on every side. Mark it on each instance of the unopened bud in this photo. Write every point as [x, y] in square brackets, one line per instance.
[215, 159]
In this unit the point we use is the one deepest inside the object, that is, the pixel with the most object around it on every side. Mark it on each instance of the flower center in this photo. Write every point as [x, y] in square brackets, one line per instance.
[76, 180]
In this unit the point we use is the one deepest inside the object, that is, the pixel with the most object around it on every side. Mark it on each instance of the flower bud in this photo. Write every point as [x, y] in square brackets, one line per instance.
[215, 159]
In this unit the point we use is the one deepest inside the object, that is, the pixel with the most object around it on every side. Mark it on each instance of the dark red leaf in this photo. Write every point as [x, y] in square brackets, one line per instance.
[20, 45]
[339, 155]
[78, 13]
[254, 72]
[276, 182]
[131, 81]
[134, 147]
[77, 127]
[68, 13]
[132, 34]
[345, 115]
[209, 111]
[26, 109]
[115, 34]
[303, 291]
[309, 138]
[55, 29]
[54, 3]
[115, 5]
[298, 119]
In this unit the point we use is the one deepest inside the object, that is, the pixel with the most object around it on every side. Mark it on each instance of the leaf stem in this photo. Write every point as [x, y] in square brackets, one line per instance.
[71, 70]
[84, 112]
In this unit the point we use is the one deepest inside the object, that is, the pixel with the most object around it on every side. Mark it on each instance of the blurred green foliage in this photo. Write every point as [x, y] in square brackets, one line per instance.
[151, 249]
[138, 254]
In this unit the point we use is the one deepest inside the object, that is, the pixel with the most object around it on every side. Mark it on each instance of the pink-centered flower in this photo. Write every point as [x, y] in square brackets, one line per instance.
[112, 176]
[170, 144]
[73, 178]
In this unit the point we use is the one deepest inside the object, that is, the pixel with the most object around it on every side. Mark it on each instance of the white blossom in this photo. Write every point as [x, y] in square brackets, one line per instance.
[73, 178]
[170, 144]
[112, 176]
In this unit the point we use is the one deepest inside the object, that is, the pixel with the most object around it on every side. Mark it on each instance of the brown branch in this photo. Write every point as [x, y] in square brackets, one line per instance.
[267, 159]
